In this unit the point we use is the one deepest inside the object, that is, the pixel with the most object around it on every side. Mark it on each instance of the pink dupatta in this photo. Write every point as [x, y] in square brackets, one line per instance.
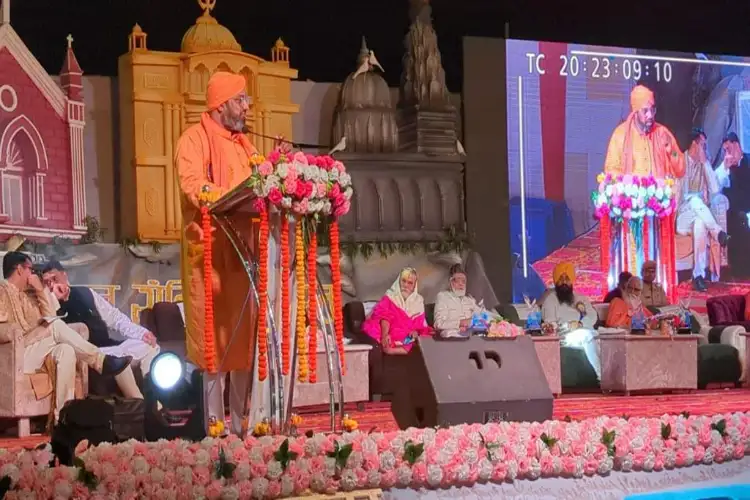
[401, 325]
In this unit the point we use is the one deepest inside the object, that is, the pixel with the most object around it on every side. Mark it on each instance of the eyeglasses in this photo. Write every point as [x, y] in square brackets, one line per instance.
[242, 99]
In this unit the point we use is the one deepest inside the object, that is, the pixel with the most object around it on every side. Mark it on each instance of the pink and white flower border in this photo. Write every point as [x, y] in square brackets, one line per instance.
[414, 458]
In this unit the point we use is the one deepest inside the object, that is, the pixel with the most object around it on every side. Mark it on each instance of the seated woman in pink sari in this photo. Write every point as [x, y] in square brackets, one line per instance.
[398, 319]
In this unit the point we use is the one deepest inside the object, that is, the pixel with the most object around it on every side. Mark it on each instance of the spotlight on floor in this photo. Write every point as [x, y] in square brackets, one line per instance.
[174, 399]
[167, 370]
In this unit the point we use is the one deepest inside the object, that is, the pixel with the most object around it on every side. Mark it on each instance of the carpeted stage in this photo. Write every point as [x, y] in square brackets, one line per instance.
[574, 406]
[583, 252]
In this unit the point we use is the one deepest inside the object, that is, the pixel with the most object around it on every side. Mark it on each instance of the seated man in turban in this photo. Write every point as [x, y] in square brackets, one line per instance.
[640, 146]
[573, 315]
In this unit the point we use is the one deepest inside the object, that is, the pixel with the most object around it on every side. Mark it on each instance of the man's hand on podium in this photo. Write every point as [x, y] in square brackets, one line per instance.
[195, 231]
[282, 145]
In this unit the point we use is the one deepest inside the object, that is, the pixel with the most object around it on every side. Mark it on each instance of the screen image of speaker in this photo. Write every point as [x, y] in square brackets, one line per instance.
[473, 380]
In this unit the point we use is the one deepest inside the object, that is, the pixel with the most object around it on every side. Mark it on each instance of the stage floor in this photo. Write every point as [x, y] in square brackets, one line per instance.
[576, 406]
[583, 252]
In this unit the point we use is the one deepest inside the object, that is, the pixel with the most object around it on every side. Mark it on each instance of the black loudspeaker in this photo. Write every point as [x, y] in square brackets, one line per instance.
[473, 380]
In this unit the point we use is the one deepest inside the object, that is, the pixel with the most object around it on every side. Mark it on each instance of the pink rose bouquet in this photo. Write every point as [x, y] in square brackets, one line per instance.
[630, 197]
[302, 184]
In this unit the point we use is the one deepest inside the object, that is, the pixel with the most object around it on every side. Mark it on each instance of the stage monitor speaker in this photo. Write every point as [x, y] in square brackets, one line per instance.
[473, 380]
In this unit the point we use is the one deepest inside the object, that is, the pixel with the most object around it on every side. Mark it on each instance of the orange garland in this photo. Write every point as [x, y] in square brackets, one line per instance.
[338, 317]
[299, 270]
[312, 302]
[263, 296]
[285, 312]
[209, 347]
[604, 236]
[645, 240]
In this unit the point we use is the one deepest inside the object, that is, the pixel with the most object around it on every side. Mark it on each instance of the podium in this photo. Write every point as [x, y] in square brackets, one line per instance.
[272, 399]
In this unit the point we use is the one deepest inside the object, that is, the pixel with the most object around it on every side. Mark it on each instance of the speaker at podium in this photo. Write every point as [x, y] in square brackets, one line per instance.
[472, 380]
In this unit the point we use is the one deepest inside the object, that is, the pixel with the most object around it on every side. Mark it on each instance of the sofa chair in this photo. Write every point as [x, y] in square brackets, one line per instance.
[684, 243]
[18, 401]
[726, 323]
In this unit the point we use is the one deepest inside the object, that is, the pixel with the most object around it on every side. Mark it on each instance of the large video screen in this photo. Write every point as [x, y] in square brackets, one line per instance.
[582, 118]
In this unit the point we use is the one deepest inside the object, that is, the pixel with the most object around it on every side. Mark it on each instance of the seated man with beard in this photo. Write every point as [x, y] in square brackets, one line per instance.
[572, 314]
[629, 312]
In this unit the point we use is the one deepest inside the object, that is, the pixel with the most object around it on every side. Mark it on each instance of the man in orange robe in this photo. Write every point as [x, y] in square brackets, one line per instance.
[640, 146]
[214, 155]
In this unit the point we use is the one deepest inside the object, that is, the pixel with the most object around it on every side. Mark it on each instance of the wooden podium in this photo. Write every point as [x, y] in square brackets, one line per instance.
[272, 399]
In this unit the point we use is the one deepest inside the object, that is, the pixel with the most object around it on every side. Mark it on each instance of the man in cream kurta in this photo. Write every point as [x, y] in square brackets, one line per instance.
[572, 314]
[697, 189]
[25, 306]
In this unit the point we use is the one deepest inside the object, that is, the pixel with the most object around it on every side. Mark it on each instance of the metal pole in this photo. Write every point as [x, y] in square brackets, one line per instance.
[334, 353]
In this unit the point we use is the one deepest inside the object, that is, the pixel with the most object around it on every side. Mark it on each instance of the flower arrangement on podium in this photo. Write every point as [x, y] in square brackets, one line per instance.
[313, 190]
[629, 208]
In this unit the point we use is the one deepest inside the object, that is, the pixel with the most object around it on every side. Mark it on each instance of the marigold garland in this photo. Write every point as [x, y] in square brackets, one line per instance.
[338, 316]
[312, 302]
[672, 258]
[263, 296]
[285, 306]
[299, 262]
[625, 246]
[646, 239]
[604, 237]
[209, 346]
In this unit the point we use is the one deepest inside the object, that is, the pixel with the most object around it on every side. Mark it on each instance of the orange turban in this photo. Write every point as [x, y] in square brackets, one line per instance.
[222, 86]
[564, 268]
[640, 97]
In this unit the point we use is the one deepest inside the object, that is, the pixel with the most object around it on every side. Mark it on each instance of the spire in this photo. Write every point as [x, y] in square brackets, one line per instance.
[5, 19]
[363, 52]
[71, 73]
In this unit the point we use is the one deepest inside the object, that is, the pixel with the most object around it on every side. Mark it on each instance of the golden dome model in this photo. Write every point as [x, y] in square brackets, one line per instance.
[207, 34]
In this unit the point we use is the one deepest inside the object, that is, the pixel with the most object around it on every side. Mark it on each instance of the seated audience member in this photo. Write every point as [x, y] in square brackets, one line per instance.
[25, 303]
[83, 305]
[454, 308]
[622, 281]
[653, 294]
[398, 319]
[733, 176]
[628, 311]
[572, 314]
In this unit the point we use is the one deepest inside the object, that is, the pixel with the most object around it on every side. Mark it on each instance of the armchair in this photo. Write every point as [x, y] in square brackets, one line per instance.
[18, 401]
[717, 255]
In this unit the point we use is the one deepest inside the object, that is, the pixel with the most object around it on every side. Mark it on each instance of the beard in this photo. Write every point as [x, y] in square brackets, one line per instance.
[459, 292]
[233, 123]
[564, 294]
[634, 303]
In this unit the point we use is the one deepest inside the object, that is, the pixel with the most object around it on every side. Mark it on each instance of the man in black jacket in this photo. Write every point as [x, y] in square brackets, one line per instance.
[83, 305]
[733, 175]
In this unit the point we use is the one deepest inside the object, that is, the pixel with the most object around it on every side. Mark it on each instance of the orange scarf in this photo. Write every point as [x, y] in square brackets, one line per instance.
[219, 169]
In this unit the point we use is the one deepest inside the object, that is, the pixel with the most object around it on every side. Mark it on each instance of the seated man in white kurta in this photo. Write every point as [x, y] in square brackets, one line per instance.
[83, 305]
[454, 308]
[572, 314]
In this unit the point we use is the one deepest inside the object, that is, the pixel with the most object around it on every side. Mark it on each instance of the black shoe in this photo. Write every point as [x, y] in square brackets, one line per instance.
[699, 284]
[114, 365]
[723, 239]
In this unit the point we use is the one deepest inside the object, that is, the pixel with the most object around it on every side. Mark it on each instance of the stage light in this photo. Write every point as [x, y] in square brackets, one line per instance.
[167, 370]
[179, 390]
